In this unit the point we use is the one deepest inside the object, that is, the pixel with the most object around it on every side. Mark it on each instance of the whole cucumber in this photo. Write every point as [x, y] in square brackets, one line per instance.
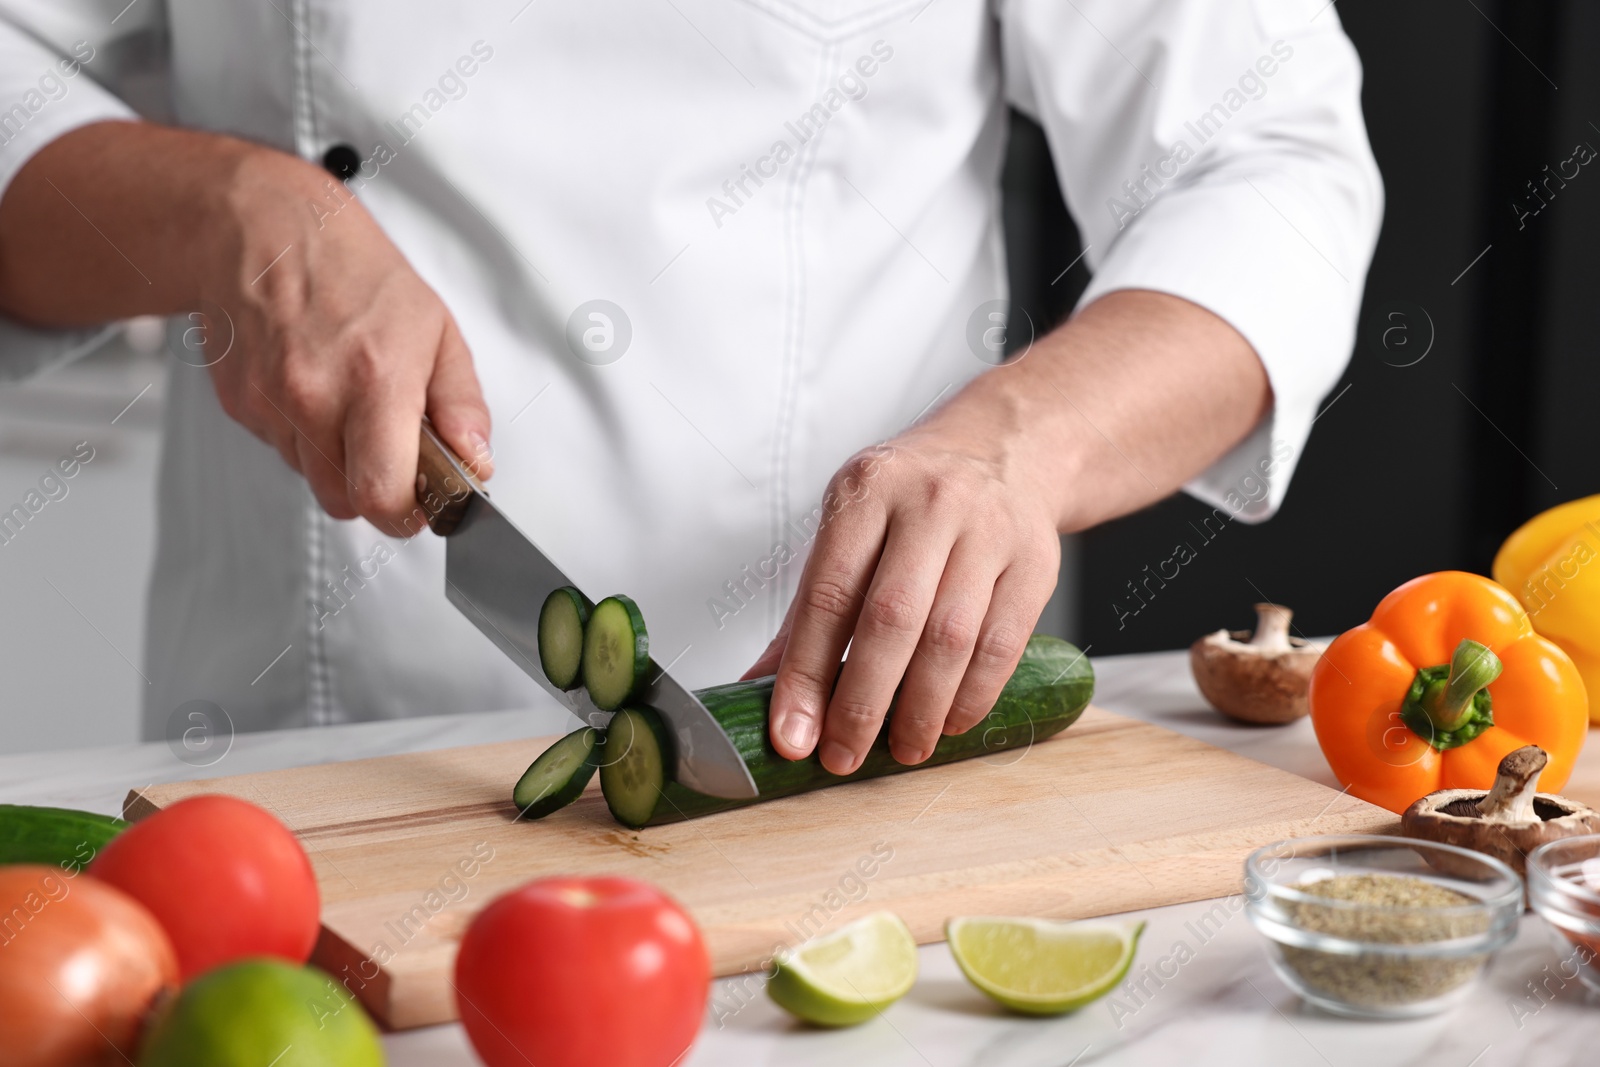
[1049, 689]
[59, 837]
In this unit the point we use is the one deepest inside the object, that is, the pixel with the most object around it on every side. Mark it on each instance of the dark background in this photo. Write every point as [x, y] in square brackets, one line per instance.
[1414, 468]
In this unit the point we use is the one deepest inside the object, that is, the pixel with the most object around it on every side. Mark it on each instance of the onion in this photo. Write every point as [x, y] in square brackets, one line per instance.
[81, 963]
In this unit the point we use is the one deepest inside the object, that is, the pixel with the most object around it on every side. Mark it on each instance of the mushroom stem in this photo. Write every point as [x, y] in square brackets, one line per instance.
[1516, 781]
[1272, 627]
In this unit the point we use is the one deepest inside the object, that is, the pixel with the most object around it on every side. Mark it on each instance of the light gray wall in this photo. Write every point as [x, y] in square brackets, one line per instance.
[72, 582]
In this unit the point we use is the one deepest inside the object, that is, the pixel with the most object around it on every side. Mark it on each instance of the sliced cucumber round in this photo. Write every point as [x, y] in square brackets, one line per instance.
[559, 775]
[561, 624]
[616, 652]
[638, 760]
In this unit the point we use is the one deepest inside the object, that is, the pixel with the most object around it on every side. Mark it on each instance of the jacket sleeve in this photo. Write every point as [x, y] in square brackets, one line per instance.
[66, 64]
[1215, 150]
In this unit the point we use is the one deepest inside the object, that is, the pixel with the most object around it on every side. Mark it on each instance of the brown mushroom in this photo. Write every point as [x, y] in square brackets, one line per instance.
[1509, 821]
[1263, 678]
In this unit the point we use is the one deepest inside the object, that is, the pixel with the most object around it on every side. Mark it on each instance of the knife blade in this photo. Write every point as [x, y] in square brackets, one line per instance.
[499, 579]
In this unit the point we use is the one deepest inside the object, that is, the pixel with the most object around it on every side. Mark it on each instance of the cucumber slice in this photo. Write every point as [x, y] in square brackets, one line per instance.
[638, 762]
[561, 623]
[559, 775]
[616, 652]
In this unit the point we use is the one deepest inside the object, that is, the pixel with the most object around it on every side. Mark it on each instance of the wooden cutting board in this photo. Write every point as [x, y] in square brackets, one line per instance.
[1110, 816]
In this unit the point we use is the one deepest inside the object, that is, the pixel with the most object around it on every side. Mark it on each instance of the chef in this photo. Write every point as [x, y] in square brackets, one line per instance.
[715, 291]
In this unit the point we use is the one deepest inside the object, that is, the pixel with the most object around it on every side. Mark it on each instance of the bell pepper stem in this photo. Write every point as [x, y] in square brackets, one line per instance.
[1472, 668]
[1449, 705]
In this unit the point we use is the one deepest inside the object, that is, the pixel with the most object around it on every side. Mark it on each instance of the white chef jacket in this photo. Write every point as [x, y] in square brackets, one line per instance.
[794, 205]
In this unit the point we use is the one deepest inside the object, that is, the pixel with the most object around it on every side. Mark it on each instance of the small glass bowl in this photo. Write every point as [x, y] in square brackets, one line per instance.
[1380, 961]
[1564, 889]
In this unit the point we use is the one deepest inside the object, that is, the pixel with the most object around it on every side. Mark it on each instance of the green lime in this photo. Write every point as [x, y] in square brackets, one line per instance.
[259, 1012]
[848, 976]
[1041, 967]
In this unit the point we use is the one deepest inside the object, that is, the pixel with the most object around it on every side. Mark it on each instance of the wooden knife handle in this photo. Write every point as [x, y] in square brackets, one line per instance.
[444, 485]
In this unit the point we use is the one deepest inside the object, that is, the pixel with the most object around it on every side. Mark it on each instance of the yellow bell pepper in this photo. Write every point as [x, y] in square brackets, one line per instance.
[1552, 564]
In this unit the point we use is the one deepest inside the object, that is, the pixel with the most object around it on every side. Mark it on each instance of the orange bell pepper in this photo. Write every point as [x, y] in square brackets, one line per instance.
[1445, 679]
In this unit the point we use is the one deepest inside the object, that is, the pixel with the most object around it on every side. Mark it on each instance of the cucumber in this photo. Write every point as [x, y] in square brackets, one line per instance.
[561, 622]
[638, 761]
[616, 652]
[1045, 694]
[559, 775]
[55, 836]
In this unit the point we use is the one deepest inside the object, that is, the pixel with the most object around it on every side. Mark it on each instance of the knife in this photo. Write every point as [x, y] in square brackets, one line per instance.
[499, 579]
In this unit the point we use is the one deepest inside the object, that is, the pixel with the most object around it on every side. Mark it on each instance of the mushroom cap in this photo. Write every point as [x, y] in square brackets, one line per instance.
[1450, 817]
[1254, 683]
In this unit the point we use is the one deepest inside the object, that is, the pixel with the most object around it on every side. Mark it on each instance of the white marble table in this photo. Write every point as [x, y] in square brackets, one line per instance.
[1224, 1006]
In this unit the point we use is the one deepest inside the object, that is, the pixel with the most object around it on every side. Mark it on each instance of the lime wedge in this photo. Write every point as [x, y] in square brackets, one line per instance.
[1041, 967]
[848, 976]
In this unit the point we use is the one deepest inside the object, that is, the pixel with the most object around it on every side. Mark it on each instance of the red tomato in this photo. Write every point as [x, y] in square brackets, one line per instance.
[226, 880]
[80, 965]
[576, 972]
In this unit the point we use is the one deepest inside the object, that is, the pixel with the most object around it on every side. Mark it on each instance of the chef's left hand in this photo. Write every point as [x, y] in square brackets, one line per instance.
[935, 568]
[939, 549]
[934, 561]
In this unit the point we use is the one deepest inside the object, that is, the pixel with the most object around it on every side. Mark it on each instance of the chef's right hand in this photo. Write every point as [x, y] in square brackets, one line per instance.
[338, 347]
[334, 347]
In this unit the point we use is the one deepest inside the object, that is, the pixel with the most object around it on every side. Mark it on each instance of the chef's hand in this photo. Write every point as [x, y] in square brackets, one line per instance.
[939, 549]
[337, 346]
[933, 563]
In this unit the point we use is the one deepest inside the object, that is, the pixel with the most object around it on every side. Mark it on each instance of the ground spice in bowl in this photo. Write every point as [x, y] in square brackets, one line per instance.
[1393, 910]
